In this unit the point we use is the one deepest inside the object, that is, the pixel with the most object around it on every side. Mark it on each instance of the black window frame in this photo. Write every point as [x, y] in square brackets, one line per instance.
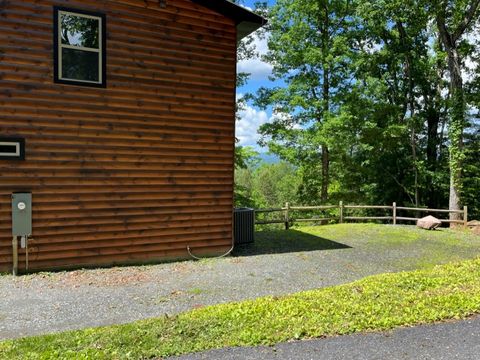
[14, 141]
[56, 45]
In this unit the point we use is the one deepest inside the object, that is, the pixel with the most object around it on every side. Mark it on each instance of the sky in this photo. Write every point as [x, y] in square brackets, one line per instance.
[251, 118]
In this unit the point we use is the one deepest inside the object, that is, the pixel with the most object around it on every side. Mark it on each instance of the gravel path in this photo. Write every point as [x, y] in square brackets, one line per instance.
[52, 302]
[446, 341]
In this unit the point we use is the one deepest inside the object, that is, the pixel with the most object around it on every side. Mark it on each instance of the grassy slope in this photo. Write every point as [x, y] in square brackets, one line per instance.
[378, 302]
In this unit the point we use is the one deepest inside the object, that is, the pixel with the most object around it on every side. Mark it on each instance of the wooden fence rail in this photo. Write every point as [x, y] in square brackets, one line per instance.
[287, 219]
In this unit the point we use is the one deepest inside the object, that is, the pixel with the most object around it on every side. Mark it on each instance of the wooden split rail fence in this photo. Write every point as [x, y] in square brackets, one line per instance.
[287, 218]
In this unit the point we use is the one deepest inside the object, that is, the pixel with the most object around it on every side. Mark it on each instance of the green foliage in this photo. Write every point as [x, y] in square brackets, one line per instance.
[367, 105]
[471, 171]
[379, 302]
[310, 51]
[266, 186]
[245, 159]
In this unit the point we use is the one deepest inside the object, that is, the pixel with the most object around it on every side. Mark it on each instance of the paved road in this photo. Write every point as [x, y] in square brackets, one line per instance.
[445, 341]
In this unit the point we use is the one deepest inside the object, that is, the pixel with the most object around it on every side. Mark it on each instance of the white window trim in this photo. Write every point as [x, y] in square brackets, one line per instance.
[17, 149]
[81, 48]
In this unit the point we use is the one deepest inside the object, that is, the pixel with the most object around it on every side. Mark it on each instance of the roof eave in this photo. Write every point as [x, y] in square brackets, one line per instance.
[247, 21]
[245, 28]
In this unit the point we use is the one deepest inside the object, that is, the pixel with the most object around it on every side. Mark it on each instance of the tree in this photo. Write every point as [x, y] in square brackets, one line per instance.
[471, 169]
[245, 157]
[309, 51]
[454, 19]
[268, 185]
[399, 85]
[246, 160]
[367, 91]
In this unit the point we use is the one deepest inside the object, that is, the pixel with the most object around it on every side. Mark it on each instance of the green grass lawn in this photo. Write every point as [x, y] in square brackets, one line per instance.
[378, 302]
[398, 247]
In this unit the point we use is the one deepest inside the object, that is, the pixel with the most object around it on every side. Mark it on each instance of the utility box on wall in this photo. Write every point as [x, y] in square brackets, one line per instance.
[21, 214]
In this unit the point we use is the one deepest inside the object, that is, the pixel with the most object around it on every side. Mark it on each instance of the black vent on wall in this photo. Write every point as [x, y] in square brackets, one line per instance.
[12, 148]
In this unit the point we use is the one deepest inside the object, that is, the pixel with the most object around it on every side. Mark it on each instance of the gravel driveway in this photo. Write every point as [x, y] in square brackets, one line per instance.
[279, 263]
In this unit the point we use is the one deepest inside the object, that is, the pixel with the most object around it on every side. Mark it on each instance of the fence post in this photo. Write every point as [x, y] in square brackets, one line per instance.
[465, 216]
[287, 216]
[340, 205]
[394, 213]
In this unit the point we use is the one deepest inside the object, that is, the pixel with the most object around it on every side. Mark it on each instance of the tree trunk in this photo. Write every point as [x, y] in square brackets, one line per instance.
[326, 103]
[325, 151]
[450, 40]
[415, 168]
[325, 173]
[406, 48]
[455, 129]
[433, 121]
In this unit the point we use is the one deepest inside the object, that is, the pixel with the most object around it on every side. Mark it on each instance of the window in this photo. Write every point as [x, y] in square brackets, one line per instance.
[12, 149]
[79, 39]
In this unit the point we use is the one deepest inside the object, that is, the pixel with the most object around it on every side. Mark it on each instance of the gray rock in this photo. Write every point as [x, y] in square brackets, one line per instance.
[428, 223]
[473, 223]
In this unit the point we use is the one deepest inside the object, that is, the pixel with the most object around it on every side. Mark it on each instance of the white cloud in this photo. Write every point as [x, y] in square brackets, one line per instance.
[251, 119]
[247, 127]
[258, 69]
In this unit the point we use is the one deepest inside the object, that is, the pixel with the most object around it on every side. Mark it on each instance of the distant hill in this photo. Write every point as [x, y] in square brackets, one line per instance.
[269, 158]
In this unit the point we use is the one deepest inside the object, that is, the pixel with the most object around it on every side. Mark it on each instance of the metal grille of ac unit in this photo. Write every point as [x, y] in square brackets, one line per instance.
[243, 226]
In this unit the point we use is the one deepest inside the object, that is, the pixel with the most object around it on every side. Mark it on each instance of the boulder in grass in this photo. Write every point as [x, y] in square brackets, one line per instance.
[473, 224]
[428, 222]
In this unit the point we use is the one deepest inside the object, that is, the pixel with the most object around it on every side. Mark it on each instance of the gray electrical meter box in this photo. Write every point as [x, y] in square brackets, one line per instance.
[21, 214]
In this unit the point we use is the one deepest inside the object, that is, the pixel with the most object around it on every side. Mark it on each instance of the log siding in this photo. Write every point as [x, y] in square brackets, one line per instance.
[132, 173]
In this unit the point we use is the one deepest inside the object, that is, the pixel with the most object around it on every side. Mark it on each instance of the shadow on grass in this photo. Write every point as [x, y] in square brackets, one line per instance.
[282, 241]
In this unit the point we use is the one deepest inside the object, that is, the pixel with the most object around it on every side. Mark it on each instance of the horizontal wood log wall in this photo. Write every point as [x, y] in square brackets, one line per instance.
[134, 172]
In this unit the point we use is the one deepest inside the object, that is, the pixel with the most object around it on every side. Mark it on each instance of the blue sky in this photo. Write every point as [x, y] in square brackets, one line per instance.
[251, 117]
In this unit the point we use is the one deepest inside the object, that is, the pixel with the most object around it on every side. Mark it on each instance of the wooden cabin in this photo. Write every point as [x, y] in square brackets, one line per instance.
[118, 117]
